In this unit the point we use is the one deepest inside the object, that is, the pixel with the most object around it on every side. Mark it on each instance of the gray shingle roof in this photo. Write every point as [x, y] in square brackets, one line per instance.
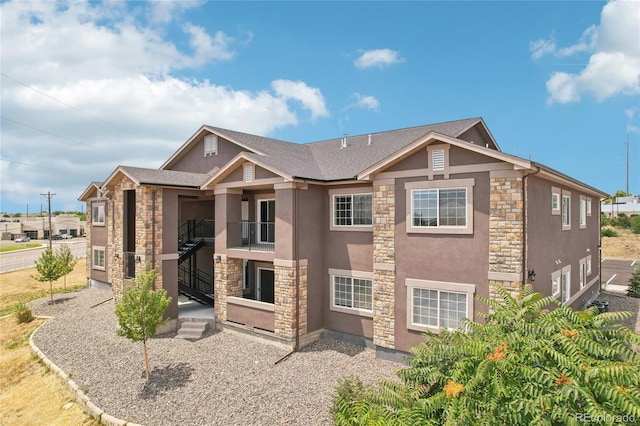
[326, 160]
[164, 177]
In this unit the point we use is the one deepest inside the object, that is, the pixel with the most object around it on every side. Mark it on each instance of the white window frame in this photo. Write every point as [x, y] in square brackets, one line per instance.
[557, 198]
[588, 258]
[466, 184]
[449, 287]
[94, 217]
[556, 285]
[588, 206]
[210, 145]
[583, 212]
[565, 284]
[259, 199]
[344, 273]
[341, 192]
[582, 267]
[94, 251]
[566, 217]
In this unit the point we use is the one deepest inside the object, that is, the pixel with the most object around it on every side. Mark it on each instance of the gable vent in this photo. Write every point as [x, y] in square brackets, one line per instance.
[248, 172]
[437, 159]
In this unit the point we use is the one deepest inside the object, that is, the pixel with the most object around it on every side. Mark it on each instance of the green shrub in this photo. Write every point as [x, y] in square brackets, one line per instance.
[622, 221]
[608, 232]
[635, 223]
[604, 220]
[634, 284]
[531, 361]
[22, 313]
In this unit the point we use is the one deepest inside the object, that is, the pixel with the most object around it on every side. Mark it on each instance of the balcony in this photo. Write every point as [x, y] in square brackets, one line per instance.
[253, 236]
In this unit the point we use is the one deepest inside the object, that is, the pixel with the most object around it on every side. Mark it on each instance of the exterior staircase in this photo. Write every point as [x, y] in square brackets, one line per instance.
[193, 328]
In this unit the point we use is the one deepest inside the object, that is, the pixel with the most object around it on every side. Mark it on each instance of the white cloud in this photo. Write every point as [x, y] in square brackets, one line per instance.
[129, 105]
[378, 58]
[613, 67]
[366, 102]
[310, 97]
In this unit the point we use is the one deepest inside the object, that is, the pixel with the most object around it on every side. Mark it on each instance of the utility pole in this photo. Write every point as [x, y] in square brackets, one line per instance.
[628, 163]
[49, 195]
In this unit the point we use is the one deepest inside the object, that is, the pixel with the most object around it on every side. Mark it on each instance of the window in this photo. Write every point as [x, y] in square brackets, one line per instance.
[566, 284]
[438, 305]
[589, 265]
[566, 211]
[443, 206]
[352, 210]
[97, 214]
[588, 206]
[99, 258]
[555, 200]
[439, 207]
[583, 273]
[210, 145]
[352, 291]
[555, 283]
[583, 212]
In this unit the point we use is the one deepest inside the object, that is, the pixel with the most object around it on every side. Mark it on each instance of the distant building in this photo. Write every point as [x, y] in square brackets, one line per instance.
[37, 227]
[627, 205]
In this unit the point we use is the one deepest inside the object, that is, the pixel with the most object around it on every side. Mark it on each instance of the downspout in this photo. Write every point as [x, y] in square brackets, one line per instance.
[153, 229]
[296, 344]
[525, 188]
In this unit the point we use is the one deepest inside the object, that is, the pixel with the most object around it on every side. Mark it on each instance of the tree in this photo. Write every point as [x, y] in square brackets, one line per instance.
[67, 262]
[140, 311]
[49, 268]
[634, 284]
[524, 365]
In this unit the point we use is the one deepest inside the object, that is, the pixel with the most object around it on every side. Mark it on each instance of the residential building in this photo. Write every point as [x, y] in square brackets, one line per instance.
[377, 237]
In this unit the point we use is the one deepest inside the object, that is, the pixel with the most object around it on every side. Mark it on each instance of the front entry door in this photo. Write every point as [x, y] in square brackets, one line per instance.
[265, 285]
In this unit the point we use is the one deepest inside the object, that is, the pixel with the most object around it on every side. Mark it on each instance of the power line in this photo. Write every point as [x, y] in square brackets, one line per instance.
[30, 165]
[43, 131]
[61, 102]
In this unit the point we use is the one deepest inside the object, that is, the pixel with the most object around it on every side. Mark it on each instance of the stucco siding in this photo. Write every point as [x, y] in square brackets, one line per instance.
[195, 161]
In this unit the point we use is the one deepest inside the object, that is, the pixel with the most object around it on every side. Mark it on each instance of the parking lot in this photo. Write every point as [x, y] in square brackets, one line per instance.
[616, 273]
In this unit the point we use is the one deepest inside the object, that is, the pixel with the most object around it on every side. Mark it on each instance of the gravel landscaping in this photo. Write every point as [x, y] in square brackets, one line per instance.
[225, 378]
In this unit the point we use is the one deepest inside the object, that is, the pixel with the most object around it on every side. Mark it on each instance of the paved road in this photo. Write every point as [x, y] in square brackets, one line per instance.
[24, 259]
[617, 272]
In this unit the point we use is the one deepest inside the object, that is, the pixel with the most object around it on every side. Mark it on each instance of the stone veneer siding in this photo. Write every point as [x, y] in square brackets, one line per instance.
[506, 230]
[384, 276]
[285, 309]
[144, 235]
[228, 282]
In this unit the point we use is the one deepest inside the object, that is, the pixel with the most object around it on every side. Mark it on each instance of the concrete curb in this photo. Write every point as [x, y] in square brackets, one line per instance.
[81, 398]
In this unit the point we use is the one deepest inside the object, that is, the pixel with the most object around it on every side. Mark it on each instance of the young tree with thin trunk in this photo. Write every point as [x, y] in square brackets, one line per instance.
[49, 269]
[140, 311]
[67, 262]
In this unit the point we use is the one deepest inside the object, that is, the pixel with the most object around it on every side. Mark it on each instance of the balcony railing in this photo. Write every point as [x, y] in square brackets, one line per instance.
[258, 236]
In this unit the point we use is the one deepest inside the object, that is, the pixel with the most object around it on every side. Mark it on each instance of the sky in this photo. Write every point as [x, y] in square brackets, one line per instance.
[87, 86]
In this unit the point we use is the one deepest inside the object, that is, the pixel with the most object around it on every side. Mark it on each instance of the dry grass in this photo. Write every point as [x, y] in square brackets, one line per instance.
[31, 395]
[19, 286]
[625, 246]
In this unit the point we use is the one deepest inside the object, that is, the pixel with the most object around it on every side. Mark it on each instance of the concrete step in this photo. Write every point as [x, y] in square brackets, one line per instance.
[192, 330]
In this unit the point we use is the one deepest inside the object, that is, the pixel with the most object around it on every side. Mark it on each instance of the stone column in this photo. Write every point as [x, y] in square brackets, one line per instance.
[149, 231]
[506, 231]
[228, 282]
[285, 305]
[384, 275]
